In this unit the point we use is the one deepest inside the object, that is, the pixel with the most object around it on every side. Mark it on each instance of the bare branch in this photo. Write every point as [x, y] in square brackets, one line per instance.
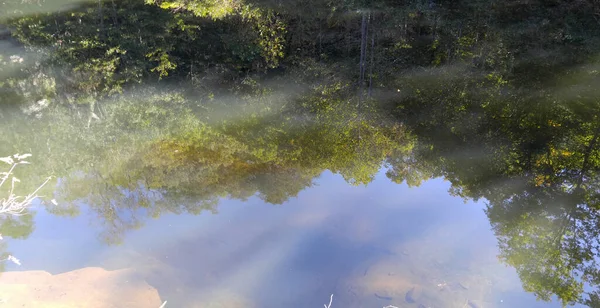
[13, 204]
[330, 300]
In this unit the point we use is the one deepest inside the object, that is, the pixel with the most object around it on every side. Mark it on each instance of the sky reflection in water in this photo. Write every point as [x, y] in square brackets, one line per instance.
[369, 246]
[146, 112]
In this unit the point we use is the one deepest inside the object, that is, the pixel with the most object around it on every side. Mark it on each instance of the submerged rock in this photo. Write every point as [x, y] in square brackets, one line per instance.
[411, 295]
[89, 287]
[463, 286]
[472, 304]
[387, 298]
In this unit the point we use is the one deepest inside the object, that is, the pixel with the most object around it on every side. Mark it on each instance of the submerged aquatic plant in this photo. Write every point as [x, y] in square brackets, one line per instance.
[13, 204]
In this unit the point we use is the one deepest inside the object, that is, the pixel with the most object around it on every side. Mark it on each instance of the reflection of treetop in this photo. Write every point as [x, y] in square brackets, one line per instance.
[144, 107]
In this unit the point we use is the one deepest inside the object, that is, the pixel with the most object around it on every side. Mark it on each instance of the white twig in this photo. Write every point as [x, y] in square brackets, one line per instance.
[8, 174]
[330, 300]
[11, 259]
[12, 204]
[163, 305]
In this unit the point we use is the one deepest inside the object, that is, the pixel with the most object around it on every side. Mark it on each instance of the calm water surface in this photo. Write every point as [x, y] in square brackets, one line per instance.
[266, 153]
[369, 246]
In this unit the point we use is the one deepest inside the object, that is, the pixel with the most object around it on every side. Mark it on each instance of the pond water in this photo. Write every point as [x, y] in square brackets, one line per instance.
[260, 153]
[368, 246]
